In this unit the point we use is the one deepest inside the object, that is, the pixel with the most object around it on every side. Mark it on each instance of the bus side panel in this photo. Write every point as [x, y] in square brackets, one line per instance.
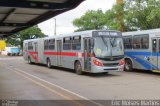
[139, 59]
[53, 59]
[50, 55]
[67, 59]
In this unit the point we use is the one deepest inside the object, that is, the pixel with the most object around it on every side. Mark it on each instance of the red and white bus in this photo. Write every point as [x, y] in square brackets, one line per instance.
[93, 51]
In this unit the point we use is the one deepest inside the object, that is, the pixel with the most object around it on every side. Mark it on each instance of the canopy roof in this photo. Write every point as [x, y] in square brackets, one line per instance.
[16, 15]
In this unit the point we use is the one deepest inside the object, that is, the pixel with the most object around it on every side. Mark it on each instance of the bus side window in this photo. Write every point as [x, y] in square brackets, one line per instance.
[45, 44]
[154, 45]
[30, 46]
[67, 43]
[51, 44]
[145, 42]
[76, 45]
[137, 42]
[141, 42]
[128, 42]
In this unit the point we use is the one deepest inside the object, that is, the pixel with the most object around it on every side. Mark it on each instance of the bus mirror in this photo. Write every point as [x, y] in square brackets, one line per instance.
[92, 42]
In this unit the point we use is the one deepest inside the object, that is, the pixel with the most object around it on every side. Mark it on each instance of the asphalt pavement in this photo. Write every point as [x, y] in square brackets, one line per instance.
[22, 81]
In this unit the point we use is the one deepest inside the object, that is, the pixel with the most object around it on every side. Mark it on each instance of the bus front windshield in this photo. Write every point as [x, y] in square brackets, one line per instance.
[105, 46]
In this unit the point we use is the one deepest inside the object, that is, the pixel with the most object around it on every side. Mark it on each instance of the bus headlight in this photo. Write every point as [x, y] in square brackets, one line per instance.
[122, 62]
[97, 62]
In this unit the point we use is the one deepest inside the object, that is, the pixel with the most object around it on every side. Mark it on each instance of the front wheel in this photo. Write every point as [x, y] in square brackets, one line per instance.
[128, 65]
[78, 68]
[49, 63]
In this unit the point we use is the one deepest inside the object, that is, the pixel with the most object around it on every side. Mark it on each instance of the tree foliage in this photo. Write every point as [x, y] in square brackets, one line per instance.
[30, 33]
[91, 20]
[143, 14]
[128, 16]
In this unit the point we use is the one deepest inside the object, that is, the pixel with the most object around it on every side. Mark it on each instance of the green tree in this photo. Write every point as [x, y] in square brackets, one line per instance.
[128, 16]
[91, 20]
[134, 15]
[29, 33]
[143, 14]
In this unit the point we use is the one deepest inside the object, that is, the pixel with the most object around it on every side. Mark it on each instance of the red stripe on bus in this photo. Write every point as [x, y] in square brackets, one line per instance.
[33, 55]
[50, 53]
[31, 52]
[61, 53]
[68, 53]
[82, 54]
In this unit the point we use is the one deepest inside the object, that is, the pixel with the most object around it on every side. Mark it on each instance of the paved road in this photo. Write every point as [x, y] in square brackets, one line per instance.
[21, 81]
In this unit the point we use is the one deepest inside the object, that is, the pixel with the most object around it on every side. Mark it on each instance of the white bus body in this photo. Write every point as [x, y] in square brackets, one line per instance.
[142, 50]
[93, 51]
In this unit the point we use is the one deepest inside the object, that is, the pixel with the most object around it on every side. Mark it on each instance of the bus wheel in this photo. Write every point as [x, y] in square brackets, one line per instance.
[78, 68]
[29, 60]
[49, 63]
[128, 65]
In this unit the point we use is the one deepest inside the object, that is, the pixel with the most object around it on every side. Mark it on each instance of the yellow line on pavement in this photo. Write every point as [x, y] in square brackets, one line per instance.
[59, 87]
[51, 90]
[156, 71]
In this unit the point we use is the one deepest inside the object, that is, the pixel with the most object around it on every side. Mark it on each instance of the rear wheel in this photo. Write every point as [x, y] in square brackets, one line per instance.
[78, 68]
[49, 63]
[128, 65]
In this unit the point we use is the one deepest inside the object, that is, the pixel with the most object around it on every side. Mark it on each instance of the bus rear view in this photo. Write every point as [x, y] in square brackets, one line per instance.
[108, 51]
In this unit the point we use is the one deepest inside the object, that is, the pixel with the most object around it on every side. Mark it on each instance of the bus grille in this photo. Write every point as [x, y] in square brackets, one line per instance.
[110, 64]
[112, 69]
[113, 58]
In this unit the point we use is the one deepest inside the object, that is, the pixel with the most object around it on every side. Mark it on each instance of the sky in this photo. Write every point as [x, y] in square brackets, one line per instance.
[64, 21]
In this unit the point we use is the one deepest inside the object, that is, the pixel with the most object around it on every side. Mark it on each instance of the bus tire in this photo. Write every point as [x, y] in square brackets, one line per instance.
[78, 68]
[29, 60]
[128, 65]
[49, 63]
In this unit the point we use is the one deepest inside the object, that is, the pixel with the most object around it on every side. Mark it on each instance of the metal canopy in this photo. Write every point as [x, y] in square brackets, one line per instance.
[16, 15]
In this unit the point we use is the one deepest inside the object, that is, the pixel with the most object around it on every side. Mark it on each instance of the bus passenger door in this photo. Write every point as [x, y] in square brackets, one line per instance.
[154, 55]
[158, 54]
[87, 54]
[36, 51]
[41, 51]
[25, 50]
[59, 50]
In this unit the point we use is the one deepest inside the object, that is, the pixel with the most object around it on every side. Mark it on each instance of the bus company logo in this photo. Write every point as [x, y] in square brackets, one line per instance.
[111, 58]
[9, 103]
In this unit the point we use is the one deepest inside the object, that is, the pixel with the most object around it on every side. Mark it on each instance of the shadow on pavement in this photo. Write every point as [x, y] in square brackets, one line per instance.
[96, 75]
[148, 72]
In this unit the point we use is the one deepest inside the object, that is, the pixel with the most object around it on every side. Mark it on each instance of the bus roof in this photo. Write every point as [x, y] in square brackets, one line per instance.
[142, 32]
[82, 33]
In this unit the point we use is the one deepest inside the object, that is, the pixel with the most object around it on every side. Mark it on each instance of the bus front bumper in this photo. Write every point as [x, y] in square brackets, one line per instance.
[98, 69]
